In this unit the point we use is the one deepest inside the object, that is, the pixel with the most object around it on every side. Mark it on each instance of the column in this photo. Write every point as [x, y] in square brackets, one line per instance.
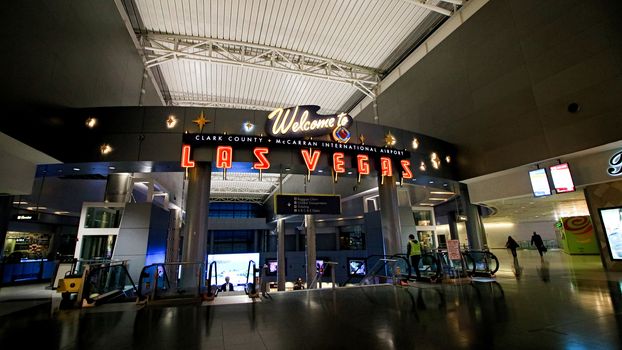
[453, 225]
[197, 204]
[310, 250]
[118, 188]
[280, 255]
[474, 225]
[390, 216]
[6, 203]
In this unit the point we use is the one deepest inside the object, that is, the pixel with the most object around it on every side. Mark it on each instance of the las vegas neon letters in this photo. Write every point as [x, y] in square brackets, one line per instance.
[224, 160]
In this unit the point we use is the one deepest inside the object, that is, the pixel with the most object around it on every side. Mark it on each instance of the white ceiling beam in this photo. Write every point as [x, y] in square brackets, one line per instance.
[434, 8]
[455, 2]
[163, 48]
[196, 102]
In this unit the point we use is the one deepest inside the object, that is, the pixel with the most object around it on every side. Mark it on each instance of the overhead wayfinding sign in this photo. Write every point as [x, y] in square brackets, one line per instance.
[288, 204]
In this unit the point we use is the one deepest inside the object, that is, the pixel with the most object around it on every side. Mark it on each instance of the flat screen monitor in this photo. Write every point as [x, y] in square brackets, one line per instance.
[273, 267]
[357, 267]
[233, 265]
[562, 179]
[612, 222]
[539, 183]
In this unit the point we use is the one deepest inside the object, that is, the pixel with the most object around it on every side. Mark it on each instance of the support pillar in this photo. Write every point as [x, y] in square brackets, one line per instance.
[453, 225]
[310, 250]
[390, 216]
[474, 225]
[280, 255]
[197, 205]
[6, 203]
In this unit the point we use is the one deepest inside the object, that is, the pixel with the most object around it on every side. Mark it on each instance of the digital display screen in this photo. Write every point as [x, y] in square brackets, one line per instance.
[612, 221]
[357, 267]
[562, 180]
[235, 266]
[539, 183]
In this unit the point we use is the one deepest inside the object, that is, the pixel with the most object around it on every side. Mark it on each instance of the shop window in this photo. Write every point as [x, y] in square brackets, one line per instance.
[423, 217]
[232, 241]
[351, 237]
[102, 217]
[20, 246]
[98, 247]
[234, 210]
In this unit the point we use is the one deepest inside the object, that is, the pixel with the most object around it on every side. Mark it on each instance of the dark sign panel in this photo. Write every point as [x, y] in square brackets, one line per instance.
[288, 204]
[25, 217]
[199, 140]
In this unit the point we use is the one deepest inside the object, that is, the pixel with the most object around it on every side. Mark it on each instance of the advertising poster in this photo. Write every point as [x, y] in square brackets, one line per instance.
[453, 249]
[612, 220]
[577, 234]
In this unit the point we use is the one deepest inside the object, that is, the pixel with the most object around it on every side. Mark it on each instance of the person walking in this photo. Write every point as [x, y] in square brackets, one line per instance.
[414, 253]
[512, 245]
[537, 241]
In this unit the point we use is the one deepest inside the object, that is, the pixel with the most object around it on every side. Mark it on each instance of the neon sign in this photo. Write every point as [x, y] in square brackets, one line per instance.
[303, 121]
[615, 164]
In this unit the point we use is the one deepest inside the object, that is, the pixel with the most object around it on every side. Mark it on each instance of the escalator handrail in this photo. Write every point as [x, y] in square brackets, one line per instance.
[248, 272]
[210, 292]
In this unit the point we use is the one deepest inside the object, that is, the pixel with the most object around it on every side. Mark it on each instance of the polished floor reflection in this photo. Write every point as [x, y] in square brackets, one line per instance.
[562, 302]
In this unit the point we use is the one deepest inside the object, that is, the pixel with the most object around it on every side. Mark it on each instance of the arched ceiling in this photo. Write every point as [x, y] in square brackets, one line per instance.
[263, 54]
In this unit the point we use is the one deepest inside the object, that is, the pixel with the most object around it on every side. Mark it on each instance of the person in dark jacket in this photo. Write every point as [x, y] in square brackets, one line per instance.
[537, 241]
[227, 286]
[512, 245]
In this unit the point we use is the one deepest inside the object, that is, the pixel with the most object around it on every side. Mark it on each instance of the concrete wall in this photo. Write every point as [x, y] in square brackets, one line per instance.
[499, 86]
[497, 233]
[70, 54]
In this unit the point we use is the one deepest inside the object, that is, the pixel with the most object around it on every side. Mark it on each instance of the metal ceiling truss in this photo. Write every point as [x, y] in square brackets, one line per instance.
[443, 11]
[185, 100]
[163, 48]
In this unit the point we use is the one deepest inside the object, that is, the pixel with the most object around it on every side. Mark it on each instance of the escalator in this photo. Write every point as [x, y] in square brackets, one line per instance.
[96, 283]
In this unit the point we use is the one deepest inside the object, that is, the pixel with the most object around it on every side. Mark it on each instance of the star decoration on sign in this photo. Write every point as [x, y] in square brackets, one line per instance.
[201, 121]
[362, 139]
[390, 140]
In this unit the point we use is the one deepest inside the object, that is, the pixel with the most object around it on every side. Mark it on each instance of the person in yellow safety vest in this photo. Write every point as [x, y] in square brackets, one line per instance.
[414, 253]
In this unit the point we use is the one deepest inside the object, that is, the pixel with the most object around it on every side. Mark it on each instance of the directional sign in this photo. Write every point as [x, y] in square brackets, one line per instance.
[288, 204]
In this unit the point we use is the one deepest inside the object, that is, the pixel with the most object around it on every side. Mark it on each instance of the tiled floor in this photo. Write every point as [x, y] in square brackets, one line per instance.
[565, 303]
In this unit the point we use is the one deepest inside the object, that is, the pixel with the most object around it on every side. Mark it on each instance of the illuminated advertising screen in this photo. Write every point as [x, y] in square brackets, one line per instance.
[357, 267]
[612, 221]
[562, 180]
[234, 266]
[539, 183]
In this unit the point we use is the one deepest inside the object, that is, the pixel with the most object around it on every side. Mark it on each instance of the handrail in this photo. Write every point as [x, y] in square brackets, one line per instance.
[320, 272]
[253, 292]
[381, 256]
[210, 292]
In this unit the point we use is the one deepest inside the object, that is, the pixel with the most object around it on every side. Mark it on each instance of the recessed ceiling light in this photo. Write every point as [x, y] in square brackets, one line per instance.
[90, 122]
[111, 168]
[436, 199]
[431, 182]
[76, 169]
[61, 212]
[20, 203]
[320, 171]
[349, 173]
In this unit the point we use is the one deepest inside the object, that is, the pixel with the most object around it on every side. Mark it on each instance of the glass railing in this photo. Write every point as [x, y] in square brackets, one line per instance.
[171, 280]
[110, 281]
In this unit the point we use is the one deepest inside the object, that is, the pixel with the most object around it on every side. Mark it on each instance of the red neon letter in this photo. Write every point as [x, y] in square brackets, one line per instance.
[407, 173]
[311, 160]
[338, 162]
[185, 157]
[260, 154]
[224, 157]
[362, 164]
[386, 167]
